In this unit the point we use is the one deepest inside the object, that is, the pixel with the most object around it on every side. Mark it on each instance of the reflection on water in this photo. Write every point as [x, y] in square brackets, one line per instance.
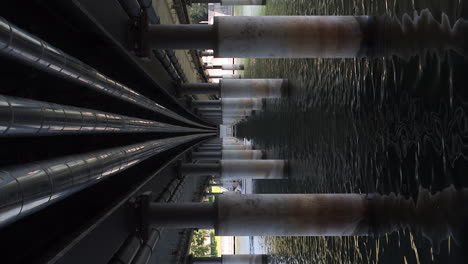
[369, 126]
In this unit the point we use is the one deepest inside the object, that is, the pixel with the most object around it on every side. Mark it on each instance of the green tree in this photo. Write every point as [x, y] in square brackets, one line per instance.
[213, 249]
[198, 13]
[197, 246]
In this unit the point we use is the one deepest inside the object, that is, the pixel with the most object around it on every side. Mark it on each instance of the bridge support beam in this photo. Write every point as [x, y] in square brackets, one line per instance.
[312, 36]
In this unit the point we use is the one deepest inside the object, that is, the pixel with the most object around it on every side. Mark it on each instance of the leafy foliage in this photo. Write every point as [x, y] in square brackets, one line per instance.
[197, 246]
[198, 13]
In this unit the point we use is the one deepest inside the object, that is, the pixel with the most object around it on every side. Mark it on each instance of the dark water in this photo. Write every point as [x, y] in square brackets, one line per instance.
[367, 126]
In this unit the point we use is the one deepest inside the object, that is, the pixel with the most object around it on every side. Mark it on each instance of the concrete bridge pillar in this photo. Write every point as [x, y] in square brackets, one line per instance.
[232, 259]
[239, 88]
[239, 169]
[311, 36]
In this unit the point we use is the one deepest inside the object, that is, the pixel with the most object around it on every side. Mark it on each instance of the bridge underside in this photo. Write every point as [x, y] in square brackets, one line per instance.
[91, 225]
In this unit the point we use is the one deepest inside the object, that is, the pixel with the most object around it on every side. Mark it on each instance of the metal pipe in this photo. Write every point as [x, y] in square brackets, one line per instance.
[28, 188]
[131, 7]
[199, 88]
[144, 253]
[127, 251]
[29, 49]
[333, 36]
[154, 234]
[24, 117]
